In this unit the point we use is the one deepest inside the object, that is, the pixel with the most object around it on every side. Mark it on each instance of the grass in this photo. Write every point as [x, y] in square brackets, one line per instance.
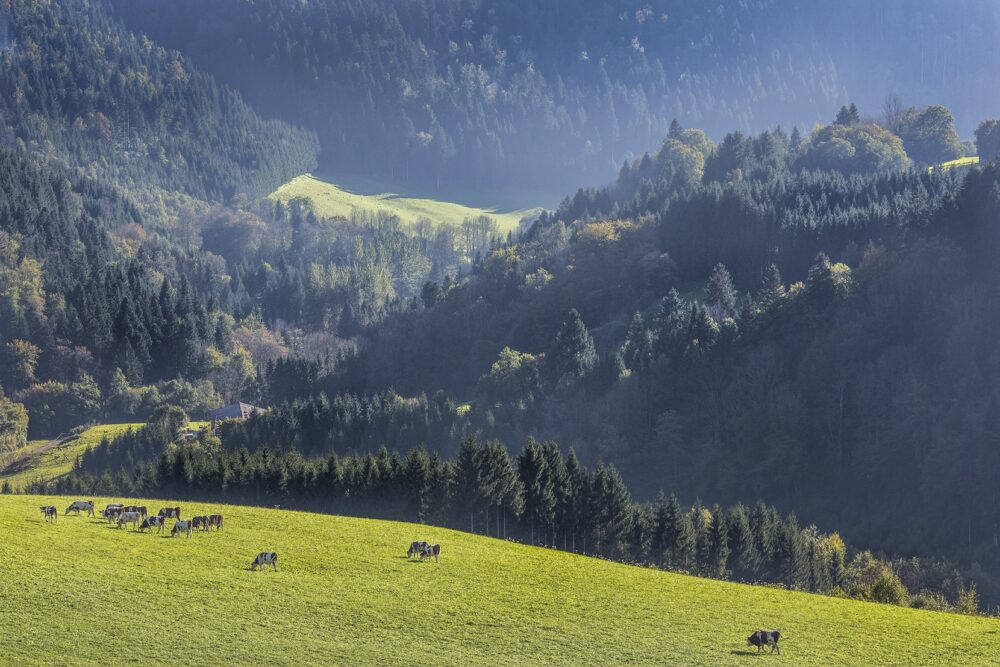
[952, 164]
[80, 592]
[336, 200]
[48, 459]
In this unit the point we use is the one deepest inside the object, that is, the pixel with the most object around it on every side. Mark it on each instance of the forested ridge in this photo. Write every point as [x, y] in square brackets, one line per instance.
[528, 94]
[79, 87]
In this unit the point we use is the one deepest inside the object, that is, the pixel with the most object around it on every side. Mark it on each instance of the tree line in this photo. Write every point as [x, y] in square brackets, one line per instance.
[540, 496]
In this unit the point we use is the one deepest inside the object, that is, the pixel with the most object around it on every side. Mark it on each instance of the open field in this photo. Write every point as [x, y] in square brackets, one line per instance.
[49, 459]
[335, 200]
[83, 593]
[952, 164]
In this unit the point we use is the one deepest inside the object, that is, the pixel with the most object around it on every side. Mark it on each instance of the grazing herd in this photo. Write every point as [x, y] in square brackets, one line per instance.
[424, 550]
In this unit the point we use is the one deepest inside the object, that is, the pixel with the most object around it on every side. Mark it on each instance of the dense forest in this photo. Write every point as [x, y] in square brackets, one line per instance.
[555, 94]
[77, 86]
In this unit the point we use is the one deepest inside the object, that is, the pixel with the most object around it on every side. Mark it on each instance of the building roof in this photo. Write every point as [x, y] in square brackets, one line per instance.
[235, 411]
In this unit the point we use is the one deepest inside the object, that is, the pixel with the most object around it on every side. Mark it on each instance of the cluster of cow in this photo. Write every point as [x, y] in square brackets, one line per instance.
[424, 550]
[138, 517]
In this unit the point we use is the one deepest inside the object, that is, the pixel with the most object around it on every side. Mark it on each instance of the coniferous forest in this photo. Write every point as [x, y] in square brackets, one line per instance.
[761, 318]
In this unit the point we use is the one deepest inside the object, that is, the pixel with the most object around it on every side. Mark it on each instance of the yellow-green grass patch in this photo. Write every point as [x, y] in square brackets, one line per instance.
[330, 199]
[45, 460]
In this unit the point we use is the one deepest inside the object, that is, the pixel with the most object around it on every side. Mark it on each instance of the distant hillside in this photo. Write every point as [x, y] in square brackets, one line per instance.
[556, 94]
[79, 87]
[344, 593]
[330, 199]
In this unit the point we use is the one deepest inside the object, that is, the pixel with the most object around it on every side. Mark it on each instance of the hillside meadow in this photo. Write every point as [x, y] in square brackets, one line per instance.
[333, 200]
[49, 459]
[84, 593]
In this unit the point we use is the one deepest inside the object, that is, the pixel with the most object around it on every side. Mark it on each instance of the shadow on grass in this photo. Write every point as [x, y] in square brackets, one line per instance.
[748, 653]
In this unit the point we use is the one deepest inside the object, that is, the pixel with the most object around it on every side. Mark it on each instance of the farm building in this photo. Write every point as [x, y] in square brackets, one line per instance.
[234, 411]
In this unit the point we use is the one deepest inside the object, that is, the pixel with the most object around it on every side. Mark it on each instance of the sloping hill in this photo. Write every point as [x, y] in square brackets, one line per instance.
[80, 592]
[44, 460]
[333, 200]
[49, 459]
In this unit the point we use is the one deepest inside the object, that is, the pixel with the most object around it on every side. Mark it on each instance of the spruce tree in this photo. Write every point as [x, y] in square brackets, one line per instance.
[539, 494]
[573, 354]
[720, 293]
[718, 544]
[772, 290]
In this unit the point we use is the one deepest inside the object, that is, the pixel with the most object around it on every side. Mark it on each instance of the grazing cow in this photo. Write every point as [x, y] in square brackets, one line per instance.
[265, 558]
[416, 548]
[181, 527]
[763, 638]
[81, 506]
[113, 506]
[199, 522]
[215, 521]
[141, 509]
[50, 513]
[170, 512]
[132, 518]
[431, 551]
[113, 513]
[151, 522]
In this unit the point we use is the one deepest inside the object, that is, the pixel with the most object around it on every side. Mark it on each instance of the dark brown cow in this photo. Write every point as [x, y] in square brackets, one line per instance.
[50, 513]
[215, 521]
[431, 551]
[170, 512]
[199, 522]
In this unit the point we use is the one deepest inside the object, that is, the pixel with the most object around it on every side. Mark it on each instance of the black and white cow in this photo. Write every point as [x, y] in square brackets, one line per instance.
[416, 548]
[199, 522]
[170, 512]
[50, 513]
[140, 509]
[129, 518]
[763, 638]
[263, 559]
[151, 522]
[431, 551]
[113, 512]
[181, 527]
[215, 521]
[81, 506]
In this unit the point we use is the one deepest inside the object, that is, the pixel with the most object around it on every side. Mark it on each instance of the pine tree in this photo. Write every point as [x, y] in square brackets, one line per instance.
[718, 544]
[741, 541]
[539, 494]
[573, 354]
[772, 290]
[467, 489]
[720, 293]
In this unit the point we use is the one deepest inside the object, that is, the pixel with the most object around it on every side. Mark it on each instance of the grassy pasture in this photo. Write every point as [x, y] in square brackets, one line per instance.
[336, 200]
[952, 164]
[346, 594]
[48, 459]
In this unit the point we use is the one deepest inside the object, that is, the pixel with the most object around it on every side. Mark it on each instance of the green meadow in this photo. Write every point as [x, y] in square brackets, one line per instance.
[80, 592]
[952, 164]
[332, 200]
[46, 460]
[49, 459]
